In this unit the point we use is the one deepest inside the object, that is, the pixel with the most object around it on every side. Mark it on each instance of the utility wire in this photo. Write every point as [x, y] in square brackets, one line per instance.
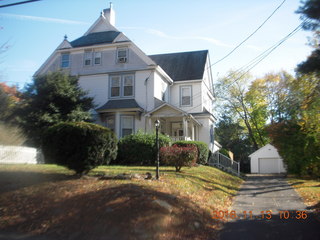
[266, 53]
[18, 3]
[247, 67]
[249, 35]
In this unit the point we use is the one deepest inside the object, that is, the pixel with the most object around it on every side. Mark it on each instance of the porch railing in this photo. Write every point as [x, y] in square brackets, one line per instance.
[180, 138]
[221, 161]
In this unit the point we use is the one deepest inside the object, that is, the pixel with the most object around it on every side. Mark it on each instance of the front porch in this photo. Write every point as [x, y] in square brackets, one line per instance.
[175, 123]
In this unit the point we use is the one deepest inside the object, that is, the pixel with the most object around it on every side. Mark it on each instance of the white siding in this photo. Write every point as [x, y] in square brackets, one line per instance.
[204, 131]
[159, 85]
[97, 87]
[196, 96]
[144, 89]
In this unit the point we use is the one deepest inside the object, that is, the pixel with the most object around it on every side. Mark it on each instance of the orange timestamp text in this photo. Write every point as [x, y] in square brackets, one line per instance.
[267, 214]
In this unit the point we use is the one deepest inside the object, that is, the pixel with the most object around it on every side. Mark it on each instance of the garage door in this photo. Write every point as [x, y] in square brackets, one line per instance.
[269, 165]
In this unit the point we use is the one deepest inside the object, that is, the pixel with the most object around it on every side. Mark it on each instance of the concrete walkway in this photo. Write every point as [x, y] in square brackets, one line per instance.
[267, 207]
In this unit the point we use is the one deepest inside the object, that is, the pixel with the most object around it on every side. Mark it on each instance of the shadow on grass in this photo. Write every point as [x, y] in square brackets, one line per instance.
[196, 178]
[126, 211]
[15, 180]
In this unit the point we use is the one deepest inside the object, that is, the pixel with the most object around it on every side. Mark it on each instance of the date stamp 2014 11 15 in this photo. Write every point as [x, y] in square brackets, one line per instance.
[267, 214]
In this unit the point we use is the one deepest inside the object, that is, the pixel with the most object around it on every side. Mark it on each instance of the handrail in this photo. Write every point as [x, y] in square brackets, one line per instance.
[224, 162]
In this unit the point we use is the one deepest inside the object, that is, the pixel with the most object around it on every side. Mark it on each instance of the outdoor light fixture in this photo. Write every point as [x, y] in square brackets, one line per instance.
[157, 125]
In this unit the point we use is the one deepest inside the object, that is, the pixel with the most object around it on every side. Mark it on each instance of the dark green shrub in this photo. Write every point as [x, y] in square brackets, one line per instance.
[203, 150]
[139, 149]
[178, 156]
[79, 146]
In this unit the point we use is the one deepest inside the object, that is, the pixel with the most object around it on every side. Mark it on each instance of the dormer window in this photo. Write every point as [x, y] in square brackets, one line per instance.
[65, 60]
[122, 55]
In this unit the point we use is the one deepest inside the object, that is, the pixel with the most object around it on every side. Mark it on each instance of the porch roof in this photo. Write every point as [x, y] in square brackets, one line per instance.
[120, 104]
[175, 112]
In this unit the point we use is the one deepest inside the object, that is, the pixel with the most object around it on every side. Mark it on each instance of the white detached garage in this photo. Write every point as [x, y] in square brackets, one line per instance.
[266, 160]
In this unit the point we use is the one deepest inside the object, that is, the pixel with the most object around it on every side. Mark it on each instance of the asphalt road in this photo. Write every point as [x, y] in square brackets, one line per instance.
[267, 207]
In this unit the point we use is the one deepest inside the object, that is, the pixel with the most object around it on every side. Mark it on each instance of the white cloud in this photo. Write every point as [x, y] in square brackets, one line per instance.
[42, 19]
[256, 48]
[207, 39]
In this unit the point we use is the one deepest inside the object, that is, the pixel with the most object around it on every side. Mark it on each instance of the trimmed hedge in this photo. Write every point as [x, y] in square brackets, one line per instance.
[139, 149]
[203, 150]
[79, 146]
[178, 156]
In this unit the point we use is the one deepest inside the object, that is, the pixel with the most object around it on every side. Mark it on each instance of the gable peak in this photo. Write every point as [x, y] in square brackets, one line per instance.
[105, 22]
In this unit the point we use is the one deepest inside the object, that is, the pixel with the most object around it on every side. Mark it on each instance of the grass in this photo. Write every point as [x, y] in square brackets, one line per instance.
[309, 190]
[49, 200]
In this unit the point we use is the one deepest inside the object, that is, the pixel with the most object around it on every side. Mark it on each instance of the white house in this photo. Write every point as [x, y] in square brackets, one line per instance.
[266, 160]
[132, 90]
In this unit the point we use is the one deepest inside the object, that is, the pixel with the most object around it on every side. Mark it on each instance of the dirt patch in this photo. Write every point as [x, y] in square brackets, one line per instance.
[68, 208]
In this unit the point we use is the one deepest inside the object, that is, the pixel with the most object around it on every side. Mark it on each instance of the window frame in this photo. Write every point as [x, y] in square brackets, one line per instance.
[181, 91]
[125, 49]
[87, 56]
[114, 122]
[64, 61]
[122, 86]
[111, 86]
[121, 124]
[95, 57]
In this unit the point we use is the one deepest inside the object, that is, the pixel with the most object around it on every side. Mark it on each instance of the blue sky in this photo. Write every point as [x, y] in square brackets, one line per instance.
[34, 30]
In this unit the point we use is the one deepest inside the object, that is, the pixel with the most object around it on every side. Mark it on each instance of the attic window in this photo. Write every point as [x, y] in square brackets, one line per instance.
[65, 60]
[122, 55]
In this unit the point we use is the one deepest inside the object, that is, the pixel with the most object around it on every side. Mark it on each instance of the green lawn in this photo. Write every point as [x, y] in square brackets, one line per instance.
[49, 200]
[309, 190]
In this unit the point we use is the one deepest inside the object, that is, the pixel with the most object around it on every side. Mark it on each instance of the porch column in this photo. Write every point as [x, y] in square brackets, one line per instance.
[117, 125]
[150, 124]
[192, 132]
[185, 128]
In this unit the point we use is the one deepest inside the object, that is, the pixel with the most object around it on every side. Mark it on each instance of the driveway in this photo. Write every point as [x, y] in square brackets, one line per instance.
[267, 207]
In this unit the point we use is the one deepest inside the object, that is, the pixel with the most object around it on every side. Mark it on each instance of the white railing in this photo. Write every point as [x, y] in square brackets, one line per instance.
[17, 154]
[180, 138]
[221, 161]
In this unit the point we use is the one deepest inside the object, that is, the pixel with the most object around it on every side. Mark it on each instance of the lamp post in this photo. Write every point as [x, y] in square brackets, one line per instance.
[157, 125]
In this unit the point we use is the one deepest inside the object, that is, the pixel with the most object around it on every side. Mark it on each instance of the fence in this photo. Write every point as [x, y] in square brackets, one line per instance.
[17, 154]
[221, 161]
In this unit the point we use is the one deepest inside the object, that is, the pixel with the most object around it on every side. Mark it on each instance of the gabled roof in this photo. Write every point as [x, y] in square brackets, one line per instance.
[182, 66]
[120, 104]
[175, 109]
[95, 38]
[268, 147]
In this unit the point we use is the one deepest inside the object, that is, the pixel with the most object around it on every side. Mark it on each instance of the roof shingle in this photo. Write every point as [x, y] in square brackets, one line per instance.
[182, 66]
[95, 38]
[116, 104]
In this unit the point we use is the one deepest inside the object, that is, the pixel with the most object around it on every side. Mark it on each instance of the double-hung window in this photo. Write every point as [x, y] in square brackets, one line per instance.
[186, 96]
[65, 60]
[127, 85]
[87, 58]
[122, 55]
[97, 58]
[127, 125]
[115, 82]
[122, 86]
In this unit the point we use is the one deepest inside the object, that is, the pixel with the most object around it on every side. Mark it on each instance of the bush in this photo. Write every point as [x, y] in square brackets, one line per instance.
[179, 156]
[79, 146]
[139, 149]
[203, 150]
